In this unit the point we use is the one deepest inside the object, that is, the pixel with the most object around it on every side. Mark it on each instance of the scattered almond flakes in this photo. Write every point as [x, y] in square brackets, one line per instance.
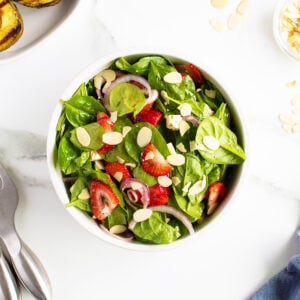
[217, 24]
[234, 21]
[242, 7]
[290, 122]
[219, 3]
[292, 83]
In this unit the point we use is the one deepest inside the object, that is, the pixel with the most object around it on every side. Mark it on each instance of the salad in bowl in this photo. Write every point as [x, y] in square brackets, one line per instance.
[145, 149]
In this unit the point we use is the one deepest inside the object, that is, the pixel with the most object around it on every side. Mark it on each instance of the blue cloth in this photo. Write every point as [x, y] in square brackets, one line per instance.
[283, 286]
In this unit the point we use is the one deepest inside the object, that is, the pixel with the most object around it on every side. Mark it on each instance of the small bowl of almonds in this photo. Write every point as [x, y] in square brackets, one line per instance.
[146, 149]
[286, 27]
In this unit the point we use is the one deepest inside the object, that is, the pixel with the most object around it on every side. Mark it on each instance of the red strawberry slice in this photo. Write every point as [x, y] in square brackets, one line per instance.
[104, 120]
[148, 106]
[216, 193]
[153, 161]
[192, 70]
[159, 195]
[151, 116]
[103, 199]
[114, 167]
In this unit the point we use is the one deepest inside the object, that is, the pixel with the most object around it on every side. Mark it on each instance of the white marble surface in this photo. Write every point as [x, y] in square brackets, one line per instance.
[255, 238]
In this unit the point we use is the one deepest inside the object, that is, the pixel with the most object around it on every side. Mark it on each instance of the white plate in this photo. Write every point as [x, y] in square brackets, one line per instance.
[39, 23]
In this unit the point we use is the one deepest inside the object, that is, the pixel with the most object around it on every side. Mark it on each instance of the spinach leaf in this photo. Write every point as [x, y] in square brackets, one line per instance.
[215, 102]
[223, 114]
[95, 132]
[81, 110]
[77, 187]
[156, 230]
[141, 67]
[229, 151]
[157, 139]
[81, 91]
[83, 205]
[117, 217]
[126, 98]
[139, 173]
[67, 152]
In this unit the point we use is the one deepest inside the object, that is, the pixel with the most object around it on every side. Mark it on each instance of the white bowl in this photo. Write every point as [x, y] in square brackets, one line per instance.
[237, 175]
[280, 34]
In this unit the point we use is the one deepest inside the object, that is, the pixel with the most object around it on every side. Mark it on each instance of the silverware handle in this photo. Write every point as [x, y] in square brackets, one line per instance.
[27, 267]
[9, 288]
[31, 273]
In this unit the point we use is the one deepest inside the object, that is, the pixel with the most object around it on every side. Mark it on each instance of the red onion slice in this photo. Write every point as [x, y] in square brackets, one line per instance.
[152, 94]
[177, 214]
[195, 121]
[131, 193]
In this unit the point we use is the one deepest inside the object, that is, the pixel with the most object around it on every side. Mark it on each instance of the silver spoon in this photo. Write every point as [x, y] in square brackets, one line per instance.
[9, 288]
[26, 265]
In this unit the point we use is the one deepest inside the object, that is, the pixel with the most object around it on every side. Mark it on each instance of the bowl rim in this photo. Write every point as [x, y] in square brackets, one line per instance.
[282, 44]
[90, 71]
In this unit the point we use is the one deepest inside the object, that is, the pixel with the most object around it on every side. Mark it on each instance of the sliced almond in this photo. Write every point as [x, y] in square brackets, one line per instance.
[130, 165]
[72, 188]
[118, 229]
[112, 138]
[164, 181]
[193, 146]
[149, 155]
[144, 136]
[217, 24]
[292, 83]
[210, 93]
[183, 127]
[99, 164]
[108, 75]
[234, 21]
[219, 3]
[173, 77]
[197, 187]
[296, 128]
[181, 148]
[296, 112]
[95, 156]
[200, 147]
[98, 81]
[171, 148]
[176, 159]
[242, 7]
[125, 130]
[288, 118]
[296, 100]
[175, 180]
[211, 142]
[186, 187]
[136, 185]
[120, 160]
[141, 215]
[114, 116]
[185, 109]
[118, 176]
[84, 194]
[83, 136]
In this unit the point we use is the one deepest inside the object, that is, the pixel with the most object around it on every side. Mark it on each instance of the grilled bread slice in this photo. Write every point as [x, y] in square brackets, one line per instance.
[11, 24]
[38, 3]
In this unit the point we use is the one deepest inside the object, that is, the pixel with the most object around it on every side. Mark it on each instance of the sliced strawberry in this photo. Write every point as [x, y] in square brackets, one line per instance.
[104, 120]
[151, 116]
[105, 148]
[148, 106]
[216, 193]
[114, 167]
[103, 199]
[192, 70]
[153, 162]
[159, 195]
